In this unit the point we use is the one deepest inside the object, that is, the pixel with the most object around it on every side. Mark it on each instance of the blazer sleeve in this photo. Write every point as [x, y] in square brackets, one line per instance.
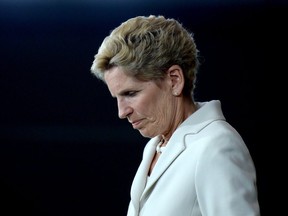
[226, 178]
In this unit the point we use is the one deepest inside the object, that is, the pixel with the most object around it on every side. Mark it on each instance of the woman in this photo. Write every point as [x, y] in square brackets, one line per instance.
[195, 162]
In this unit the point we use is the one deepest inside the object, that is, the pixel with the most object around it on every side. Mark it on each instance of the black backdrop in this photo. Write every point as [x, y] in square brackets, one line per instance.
[63, 150]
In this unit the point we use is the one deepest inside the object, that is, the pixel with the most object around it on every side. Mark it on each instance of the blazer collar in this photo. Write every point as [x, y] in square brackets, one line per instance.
[170, 153]
[206, 113]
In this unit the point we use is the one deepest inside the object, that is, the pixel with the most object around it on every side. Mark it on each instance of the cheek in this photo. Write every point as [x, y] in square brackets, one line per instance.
[147, 104]
[155, 106]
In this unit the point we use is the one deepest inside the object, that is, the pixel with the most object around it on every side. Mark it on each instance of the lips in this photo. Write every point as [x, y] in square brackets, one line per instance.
[136, 123]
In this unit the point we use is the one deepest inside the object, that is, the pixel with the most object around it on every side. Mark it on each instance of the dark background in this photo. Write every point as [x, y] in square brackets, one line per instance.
[63, 150]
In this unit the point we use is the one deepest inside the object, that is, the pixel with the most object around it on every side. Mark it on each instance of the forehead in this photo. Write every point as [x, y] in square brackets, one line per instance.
[115, 73]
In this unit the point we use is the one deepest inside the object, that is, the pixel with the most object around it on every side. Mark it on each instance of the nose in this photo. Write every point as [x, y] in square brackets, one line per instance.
[124, 109]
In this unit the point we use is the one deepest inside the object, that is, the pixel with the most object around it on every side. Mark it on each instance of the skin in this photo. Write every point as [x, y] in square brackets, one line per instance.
[153, 108]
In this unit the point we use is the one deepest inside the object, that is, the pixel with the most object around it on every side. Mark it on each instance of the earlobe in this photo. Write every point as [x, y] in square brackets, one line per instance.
[176, 76]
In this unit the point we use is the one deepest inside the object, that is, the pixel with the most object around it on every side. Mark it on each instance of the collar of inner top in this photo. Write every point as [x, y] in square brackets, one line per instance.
[159, 148]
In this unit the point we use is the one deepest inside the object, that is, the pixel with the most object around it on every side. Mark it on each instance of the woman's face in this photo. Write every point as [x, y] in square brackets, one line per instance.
[148, 106]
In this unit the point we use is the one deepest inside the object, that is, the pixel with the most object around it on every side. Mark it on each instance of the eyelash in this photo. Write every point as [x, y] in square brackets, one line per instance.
[130, 93]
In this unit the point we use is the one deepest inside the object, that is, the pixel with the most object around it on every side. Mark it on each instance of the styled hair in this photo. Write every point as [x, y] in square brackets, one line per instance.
[145, 47]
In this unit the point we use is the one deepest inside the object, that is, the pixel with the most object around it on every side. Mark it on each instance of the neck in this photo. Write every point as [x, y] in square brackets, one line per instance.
[188, 107]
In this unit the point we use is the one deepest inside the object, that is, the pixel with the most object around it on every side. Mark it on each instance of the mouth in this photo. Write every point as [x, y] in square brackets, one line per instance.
[136, 124]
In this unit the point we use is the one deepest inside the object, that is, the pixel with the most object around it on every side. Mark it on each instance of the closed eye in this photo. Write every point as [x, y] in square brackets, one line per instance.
[130, 93]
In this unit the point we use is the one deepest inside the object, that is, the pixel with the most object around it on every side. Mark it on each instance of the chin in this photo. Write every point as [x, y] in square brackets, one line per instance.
[145, 134]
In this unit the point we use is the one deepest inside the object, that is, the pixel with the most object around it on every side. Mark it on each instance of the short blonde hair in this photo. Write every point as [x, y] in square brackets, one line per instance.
[145, 47]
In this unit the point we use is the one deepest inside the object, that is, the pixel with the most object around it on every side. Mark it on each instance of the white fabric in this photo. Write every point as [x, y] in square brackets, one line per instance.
[205, 170]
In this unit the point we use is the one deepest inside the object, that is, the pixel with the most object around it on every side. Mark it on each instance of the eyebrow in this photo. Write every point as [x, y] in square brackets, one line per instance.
[121, 93]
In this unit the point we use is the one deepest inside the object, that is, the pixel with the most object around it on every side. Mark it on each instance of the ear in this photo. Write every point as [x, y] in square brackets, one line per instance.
[176, 77]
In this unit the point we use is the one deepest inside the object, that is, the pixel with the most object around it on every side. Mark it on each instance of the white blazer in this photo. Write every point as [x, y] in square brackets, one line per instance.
[205, 170]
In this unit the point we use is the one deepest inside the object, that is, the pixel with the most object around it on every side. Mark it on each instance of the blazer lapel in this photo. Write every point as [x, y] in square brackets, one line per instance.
[140, 178]
[173, 149]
